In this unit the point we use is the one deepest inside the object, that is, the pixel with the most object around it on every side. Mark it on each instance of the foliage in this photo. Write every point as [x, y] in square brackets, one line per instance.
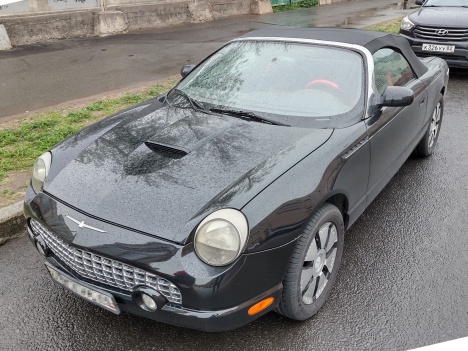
[392, 26]
[295, 5]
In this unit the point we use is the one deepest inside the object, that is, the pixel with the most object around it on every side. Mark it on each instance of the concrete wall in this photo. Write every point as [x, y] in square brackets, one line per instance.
[30, 21]
[219, 7]
[164, 14]
[31, 29]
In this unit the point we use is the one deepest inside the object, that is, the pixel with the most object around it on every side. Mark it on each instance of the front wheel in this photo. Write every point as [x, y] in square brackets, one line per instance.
[427, 144]
[314, 264]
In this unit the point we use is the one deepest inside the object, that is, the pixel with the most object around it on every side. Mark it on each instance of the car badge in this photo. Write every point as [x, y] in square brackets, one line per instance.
[83, 225]
[442, 32]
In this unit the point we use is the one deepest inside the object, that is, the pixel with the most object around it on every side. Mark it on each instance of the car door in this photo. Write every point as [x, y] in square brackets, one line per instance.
[394, 132]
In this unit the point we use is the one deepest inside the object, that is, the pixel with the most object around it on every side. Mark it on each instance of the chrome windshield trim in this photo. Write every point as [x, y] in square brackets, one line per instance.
[369, 61]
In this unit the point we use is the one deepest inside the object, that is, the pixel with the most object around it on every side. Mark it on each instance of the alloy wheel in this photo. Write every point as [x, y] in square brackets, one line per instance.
[435, 124]
[319, 262]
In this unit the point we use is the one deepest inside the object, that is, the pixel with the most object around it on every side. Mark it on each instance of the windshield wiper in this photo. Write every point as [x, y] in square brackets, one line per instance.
[194, 103]
[249, 116]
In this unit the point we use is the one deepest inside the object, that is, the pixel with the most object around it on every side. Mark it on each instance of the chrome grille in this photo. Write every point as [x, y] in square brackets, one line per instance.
[453, 34]
[103, 269]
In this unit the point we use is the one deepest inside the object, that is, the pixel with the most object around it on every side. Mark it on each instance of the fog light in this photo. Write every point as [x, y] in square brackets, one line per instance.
[149, 302]
[41, 246]
[40, 249]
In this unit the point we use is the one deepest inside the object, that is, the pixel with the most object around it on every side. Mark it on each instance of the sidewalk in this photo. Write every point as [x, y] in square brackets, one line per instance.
[43, 76]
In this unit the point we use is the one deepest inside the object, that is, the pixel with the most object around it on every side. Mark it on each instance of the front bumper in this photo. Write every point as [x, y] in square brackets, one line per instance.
[210, 321]
[213, 299]
[458, 59]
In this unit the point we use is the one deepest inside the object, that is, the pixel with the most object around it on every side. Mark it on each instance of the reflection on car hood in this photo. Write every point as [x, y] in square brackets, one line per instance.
[445, 17]
[158, 173]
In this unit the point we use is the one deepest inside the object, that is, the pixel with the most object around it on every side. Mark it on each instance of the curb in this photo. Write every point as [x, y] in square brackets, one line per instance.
[12, 224]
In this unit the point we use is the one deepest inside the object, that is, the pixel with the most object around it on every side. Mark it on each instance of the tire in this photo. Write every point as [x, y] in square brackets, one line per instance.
[312, 264]
[427, 144]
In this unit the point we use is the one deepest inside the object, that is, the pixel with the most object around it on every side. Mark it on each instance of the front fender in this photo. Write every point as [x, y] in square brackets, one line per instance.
[280, 212]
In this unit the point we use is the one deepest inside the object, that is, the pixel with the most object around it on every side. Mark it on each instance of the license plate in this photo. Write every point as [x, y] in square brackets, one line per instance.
[99, 298]
[438, 48]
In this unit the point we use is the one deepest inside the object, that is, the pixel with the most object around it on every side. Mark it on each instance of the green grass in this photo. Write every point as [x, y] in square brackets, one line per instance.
[392, 26]
[20, 145]
[295, 6]
[7, 192]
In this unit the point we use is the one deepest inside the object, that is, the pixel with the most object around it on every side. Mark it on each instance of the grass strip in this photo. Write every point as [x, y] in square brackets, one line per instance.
[295, 6]
[392, 26]
[20, 145]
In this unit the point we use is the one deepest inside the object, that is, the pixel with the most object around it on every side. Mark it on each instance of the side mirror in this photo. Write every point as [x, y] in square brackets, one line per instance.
[186, 70]
[397, 96]
[419, 2]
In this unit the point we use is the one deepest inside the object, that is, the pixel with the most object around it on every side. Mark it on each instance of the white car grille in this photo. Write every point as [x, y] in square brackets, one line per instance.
[105, 270]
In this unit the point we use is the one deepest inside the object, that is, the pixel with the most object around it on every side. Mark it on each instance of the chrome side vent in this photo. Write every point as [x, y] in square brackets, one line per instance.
[167, 150]
[355, 148]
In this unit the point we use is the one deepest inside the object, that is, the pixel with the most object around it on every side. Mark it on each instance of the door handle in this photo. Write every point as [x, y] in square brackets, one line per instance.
[422, 101]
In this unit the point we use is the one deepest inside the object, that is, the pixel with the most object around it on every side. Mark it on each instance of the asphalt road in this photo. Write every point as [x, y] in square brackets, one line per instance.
[402, 284]
[43, 75]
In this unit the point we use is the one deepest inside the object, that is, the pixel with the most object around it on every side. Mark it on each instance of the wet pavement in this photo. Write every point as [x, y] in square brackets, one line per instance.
[402, 284]
[43, 75]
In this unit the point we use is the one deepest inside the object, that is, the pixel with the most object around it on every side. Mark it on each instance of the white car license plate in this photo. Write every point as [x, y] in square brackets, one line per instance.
[438, 48]
[99, 298]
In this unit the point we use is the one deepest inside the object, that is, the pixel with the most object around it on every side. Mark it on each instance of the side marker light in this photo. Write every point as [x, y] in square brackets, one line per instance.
[260, 306]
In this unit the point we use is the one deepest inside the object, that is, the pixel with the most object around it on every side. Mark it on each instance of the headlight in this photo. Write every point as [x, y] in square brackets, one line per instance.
[220, 237]
[40, 171]
[406, 24]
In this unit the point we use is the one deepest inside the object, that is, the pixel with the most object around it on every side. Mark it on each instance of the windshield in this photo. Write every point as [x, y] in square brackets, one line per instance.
[445, 3]
[286, 82]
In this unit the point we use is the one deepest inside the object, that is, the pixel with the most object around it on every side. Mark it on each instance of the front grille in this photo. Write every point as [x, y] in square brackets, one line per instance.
[449, 34]
[103, 269]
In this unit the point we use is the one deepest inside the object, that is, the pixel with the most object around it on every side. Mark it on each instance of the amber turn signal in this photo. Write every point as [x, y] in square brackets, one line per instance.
[260, 306]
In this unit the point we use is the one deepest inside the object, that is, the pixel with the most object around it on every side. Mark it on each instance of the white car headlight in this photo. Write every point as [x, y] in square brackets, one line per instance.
[40, 170]
[406, 24]
[220, 238]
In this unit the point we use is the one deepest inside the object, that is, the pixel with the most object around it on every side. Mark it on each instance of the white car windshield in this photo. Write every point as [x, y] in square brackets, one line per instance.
[279, 80]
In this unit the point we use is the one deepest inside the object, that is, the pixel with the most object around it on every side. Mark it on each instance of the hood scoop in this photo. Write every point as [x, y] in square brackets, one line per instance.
[187, 134]
[167, 150]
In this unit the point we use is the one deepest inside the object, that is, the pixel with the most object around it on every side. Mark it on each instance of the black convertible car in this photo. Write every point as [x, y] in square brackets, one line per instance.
[440, 28]
[229, 196]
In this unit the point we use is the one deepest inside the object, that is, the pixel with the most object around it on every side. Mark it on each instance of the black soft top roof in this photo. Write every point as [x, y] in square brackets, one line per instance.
[371, 40]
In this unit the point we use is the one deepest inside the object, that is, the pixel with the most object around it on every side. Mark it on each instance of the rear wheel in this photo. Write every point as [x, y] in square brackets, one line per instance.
[314, 264]
[427, 144]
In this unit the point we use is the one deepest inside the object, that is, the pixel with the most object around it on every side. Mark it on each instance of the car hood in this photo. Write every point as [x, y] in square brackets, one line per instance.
[444, 17]
[163, 172]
